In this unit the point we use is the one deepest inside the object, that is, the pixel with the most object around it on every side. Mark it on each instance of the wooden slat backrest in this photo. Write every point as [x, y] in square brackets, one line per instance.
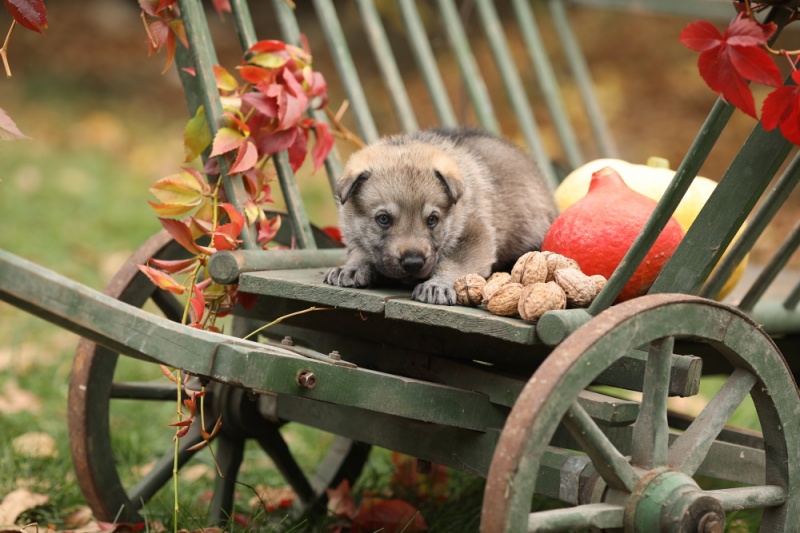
[482, 103]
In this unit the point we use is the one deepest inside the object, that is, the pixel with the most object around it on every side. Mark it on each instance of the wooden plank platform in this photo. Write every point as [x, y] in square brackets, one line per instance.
[306, 285]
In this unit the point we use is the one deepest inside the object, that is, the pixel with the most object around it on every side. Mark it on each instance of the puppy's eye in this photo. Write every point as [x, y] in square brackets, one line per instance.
[432, 221]
[383, 220]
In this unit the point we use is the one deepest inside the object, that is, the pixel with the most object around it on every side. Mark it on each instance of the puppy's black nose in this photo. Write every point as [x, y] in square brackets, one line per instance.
[412, 262]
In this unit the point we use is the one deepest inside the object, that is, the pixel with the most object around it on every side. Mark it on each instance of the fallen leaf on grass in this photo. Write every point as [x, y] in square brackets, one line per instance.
[17, 502]
[13, 399]
[35, 444]
[78, 518]
[273, 498]
[374, 514]
[388, 516]
[340, 501]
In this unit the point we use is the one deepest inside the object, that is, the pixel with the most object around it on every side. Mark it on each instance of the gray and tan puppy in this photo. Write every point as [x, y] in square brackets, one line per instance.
[429, 207]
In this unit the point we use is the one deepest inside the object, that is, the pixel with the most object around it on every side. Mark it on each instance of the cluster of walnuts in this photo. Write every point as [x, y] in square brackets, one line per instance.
[539, 282]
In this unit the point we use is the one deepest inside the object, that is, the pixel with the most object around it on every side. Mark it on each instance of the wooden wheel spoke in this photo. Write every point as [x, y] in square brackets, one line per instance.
[596, 515]
[749, 497]
[161, 472]
[275, 446]
[607, 460]
[169, 305]
[690, 448]
[651, 432]
[229, 456]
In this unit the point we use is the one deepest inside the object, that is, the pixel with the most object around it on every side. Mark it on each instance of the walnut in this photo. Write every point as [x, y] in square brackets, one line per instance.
[599, 282]
[530, 268]
[504, 301]
[557, 262]
[469, 289]
[580, 289]
[538, 298]
[494, 282]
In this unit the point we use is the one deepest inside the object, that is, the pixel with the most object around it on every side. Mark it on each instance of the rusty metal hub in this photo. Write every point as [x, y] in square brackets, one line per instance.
[670, 501]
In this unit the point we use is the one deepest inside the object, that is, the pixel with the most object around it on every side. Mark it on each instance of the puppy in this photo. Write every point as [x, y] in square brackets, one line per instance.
[428, 207]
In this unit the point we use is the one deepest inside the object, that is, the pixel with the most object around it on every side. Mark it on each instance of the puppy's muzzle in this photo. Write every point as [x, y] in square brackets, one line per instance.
[412, 262]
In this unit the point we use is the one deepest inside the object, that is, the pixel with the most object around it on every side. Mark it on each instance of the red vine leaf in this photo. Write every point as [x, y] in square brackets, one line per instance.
[782, 109]
[226, 140]
[162, 280]
[323, 145]
[181, 233]
[222, 6]
[267, 229]
[728, 60]
[246, 158]
[29, 13]
[176, 266]
[226, 235]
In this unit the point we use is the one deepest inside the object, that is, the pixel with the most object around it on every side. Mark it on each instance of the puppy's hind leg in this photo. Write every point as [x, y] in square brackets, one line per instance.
[356, 272]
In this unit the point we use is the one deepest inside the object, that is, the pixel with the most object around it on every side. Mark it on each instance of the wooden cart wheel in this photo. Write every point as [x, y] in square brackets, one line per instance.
[650, 487]
[93, 388]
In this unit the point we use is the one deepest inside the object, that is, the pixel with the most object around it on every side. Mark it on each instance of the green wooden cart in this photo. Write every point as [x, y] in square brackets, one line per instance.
[514, 402]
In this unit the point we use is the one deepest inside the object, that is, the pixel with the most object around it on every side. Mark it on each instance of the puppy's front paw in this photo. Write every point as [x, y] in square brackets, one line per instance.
[435, 292]
[358, 276]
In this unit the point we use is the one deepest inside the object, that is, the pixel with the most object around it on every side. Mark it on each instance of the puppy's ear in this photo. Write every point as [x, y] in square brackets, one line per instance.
[447, 172]
[349, 183]
[453, 184]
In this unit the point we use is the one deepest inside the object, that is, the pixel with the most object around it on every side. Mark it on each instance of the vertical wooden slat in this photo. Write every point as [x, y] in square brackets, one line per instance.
[712, 231]
[771, 270]
[337, 44]
[288, 182]
[387, 65]
[290, 31]
[686, 172]
[470, 74]
[580, 71]
[514, 88]
[201, 57]
[421, 49]
[244, 23]
[765, 213]
[547, 81]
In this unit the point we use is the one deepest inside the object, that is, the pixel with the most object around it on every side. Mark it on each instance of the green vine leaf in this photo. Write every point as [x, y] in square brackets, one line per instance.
[196, 135]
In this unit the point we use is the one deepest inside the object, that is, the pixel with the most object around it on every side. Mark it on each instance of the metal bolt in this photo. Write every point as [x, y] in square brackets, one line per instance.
[710, 523]
[287, 341]
[335, 355]
[307, 379]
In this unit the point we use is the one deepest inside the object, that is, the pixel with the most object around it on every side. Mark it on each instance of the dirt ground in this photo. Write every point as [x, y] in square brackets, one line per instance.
[646, 81]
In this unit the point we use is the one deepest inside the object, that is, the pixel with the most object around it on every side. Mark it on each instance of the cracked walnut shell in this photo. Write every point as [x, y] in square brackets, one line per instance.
[530, 268]
[538, 298]
[579, 288]
[505, 300]
[557, 262]
[493, 283]
[469, 289]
